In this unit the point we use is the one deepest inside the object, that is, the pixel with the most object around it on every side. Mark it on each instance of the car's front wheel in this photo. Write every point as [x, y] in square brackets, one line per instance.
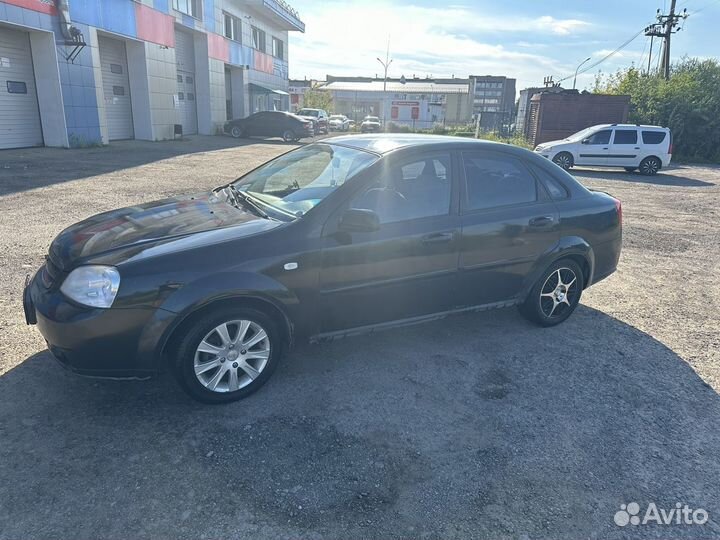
[289, 136]
[555, 295]
[650, 166]
[236, 132]
[228, 355]
[564, 160]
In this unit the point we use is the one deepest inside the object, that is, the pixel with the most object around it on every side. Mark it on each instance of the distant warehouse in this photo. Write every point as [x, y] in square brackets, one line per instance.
[76, 72]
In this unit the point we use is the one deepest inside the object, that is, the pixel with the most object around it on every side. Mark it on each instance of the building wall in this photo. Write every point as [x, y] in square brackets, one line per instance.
[148, 29]
[556, 115]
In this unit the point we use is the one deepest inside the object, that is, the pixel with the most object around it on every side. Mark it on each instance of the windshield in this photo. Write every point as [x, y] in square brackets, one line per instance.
[372, 119]
[580, 135]
[308, 112]
[294, 183]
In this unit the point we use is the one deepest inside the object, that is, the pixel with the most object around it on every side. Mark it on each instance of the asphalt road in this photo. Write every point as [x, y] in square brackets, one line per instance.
[476, 426]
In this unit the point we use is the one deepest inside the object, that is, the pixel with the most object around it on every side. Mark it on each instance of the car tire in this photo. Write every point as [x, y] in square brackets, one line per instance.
[555, 295]
[630, 169]
[225, 362]
[650, 166]
[236, 132]
[564, 160]
[289, 136]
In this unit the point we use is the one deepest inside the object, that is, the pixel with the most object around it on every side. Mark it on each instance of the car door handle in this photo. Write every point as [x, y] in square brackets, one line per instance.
[606, 148]
[542, 221]
[437, 238]
[637, 148]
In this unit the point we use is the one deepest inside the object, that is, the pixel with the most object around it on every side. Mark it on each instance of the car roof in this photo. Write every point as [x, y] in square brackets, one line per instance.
[382, 143]
[643, 126]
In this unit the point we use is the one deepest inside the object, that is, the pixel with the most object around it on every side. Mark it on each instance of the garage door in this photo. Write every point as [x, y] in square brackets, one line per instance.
[116, 88]
[185, 58]
[19, 113]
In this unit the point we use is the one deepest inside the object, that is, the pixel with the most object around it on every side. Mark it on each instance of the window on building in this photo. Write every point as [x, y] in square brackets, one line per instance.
[116, 68]
[118, 90]
[277, 48]
[258, 39]
[494, 180]
[188, 7]
[233, 29]
[16, 87]
[625, 136]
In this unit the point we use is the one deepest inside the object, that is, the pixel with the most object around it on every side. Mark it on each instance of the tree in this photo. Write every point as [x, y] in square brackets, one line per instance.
[688, 103]
[318, 99]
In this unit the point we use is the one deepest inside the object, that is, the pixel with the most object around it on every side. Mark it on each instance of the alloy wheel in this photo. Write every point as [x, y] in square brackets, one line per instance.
[563, 160]
[649, 166]
[232, 355]
[558, 293]
[236, 132]
[288, 136]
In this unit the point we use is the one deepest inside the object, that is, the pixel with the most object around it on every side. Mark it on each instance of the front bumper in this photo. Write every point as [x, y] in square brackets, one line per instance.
[90, 341]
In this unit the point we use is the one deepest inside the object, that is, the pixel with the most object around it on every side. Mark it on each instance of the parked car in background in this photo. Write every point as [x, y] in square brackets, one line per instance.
[345, 236]
[631, 146]
[339, 122]
[370, 124]
[318, 117]
[271, 124]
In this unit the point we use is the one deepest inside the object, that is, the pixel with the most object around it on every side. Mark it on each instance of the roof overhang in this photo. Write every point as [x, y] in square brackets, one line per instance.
[263, 90]
[279, 12]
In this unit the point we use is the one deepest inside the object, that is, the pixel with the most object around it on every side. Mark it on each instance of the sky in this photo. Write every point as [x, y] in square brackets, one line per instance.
[526, 40]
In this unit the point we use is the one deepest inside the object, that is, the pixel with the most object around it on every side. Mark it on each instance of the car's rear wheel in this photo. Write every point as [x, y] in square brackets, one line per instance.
[630, 169]
[650, 166]
[564, 160]
[555, 295]
[228, 355]
[236, 132]
[289, 136]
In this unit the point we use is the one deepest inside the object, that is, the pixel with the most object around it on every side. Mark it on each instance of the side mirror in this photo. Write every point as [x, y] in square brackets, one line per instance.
[359, 220]
[585, 141]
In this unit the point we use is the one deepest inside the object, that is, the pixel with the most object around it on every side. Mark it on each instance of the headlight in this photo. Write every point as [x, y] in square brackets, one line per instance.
[94, 286]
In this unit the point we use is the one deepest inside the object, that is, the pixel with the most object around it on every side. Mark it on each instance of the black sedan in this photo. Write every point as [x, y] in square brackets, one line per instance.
[344, 236]
[290, 127]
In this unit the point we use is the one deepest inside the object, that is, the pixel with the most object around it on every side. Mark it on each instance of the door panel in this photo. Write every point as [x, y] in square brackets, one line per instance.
[503, 232]
[408, 267]
[625, 150]
[595, 151]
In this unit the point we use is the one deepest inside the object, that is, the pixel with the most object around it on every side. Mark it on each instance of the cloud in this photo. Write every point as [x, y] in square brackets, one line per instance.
[346, 37]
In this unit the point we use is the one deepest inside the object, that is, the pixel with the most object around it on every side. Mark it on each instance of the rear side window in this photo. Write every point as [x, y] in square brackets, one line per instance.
[625, 136]
[553, 186]
[653, 137]
[494, 180]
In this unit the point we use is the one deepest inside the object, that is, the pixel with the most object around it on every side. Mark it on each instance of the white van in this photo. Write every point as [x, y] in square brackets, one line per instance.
[631, 146]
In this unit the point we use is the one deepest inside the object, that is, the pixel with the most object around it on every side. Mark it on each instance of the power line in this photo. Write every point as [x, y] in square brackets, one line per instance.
[598, 62]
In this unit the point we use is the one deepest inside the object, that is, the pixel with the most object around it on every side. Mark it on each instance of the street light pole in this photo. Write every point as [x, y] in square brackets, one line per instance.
[578, 69]
[385, 65]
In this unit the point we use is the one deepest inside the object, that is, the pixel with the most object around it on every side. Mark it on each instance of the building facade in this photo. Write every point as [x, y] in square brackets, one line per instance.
[493, 100]
[554, 115]
[76, 72]
[420, 103]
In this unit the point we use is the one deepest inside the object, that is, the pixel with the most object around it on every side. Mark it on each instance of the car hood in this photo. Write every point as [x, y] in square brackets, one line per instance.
[549, 144]
[115, 236]
[310, 118]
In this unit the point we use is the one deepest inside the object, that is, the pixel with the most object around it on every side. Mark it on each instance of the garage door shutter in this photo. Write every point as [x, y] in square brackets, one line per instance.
[185, 59]
[19, 113]
[116, 88]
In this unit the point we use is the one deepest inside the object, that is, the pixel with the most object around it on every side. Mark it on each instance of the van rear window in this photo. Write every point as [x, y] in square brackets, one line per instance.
[653, 137]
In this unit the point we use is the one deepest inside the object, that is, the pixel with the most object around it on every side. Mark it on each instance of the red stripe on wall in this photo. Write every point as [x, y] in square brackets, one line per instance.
[218, 47]
[35, 5]
[263, 62]
[154, 26]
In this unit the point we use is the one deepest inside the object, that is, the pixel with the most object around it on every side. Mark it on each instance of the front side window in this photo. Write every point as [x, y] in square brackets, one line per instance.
[277, 48]
[232, 27]
[297, 181]
[188, 7]
[625, 136]
[495, 180]
[600, 137]
[258, 39]
[414, 189]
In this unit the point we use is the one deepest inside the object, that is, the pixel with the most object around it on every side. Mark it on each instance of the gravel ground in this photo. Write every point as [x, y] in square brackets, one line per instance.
[477, 426]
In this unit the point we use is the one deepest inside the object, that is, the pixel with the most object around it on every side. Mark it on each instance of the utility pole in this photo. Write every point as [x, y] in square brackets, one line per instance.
[666, 26]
